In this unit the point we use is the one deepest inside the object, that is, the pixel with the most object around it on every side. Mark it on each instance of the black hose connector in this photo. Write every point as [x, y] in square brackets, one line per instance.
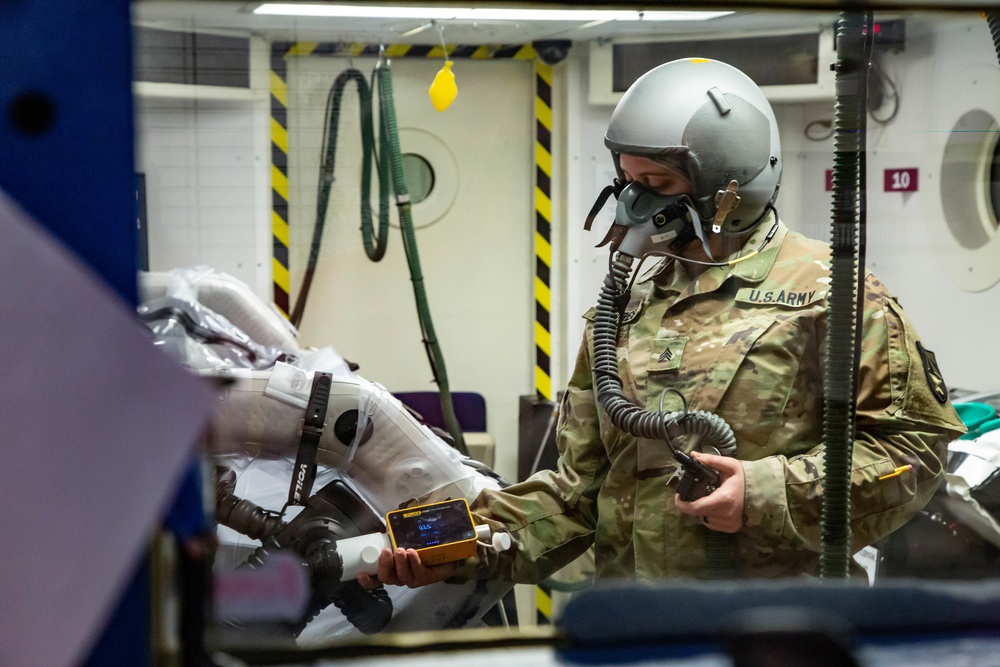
[241, 515]
[261, 554]
[325, 563]
[367, 610]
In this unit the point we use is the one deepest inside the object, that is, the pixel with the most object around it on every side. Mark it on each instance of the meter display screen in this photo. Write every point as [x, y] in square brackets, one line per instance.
[432, 525]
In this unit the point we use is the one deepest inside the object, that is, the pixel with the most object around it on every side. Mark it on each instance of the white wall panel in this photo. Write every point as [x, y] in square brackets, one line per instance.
[206, 190]
[909, 243]
[477, 259]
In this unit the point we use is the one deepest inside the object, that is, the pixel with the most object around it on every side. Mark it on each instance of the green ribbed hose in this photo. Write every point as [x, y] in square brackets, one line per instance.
[374, 245]
[388, 122]
[843, 308]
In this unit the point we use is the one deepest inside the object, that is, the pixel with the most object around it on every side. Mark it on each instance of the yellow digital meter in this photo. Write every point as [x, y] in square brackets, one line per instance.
[439, 532]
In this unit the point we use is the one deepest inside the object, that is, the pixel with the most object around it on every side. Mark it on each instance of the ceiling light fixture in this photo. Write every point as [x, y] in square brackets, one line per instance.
[481, 14]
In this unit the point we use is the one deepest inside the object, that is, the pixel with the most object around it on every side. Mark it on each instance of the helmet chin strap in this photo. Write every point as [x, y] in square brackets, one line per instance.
[699, 231]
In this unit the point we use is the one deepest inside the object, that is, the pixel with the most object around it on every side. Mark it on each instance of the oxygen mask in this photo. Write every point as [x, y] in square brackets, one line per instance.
[649, 223]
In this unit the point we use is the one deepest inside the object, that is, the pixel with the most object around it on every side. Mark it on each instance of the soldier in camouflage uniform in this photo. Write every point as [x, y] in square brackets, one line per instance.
[742, 337]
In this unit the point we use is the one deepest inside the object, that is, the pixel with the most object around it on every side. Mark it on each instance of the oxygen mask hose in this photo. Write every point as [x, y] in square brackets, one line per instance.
[656, 425]
[624, 414]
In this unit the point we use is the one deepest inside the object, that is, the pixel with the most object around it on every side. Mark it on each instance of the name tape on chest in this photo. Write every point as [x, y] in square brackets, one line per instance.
[789, 298]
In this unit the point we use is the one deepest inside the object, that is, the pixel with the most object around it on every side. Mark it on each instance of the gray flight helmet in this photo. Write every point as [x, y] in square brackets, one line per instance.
[714, 123]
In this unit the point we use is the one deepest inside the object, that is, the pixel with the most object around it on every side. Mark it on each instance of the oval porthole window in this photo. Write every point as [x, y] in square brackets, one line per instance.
[967, 190]
[431, 173]
[970, 199]
[995, 179]
[419, 176]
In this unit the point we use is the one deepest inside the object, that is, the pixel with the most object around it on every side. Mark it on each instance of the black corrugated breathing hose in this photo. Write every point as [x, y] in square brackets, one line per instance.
[626, 416]
[846, 283]
[714, 431]
[242, 515]
[368, 611]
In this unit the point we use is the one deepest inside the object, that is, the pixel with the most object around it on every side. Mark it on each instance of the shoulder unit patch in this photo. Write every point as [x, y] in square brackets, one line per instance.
[935, 381]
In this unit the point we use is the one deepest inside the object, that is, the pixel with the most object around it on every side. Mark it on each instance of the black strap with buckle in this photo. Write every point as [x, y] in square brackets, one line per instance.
[304, 472]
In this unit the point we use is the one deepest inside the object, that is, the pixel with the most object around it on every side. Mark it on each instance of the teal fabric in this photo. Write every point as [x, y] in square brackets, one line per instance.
[979, 418]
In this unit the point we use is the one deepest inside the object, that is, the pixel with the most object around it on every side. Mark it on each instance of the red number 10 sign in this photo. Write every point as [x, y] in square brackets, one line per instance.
[901, 180]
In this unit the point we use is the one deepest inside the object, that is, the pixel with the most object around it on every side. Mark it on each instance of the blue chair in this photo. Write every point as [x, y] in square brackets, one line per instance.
[470, 408]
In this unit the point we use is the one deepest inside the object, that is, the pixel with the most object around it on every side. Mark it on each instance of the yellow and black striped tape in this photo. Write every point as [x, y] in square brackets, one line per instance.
[280, 53]
[543, 229]
[360, 50]
[279, 176]
[543, 605]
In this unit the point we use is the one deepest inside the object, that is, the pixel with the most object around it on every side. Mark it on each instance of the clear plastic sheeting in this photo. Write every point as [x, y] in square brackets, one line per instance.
[409, 462]
[370, 444]
[201, 338]
[223, 294]
[973, 484]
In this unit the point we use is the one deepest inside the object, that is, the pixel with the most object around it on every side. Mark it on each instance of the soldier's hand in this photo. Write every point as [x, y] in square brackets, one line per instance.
[402, 567]
[721, 510]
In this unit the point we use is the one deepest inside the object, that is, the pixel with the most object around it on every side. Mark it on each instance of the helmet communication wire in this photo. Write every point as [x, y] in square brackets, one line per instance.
[737, 260]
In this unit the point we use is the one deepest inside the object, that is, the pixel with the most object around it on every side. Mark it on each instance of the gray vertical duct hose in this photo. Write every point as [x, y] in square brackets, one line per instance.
[843, 308]
[853, 56]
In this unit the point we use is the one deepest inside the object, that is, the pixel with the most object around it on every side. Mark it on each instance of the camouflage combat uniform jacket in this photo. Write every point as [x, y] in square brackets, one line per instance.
[745, 342]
